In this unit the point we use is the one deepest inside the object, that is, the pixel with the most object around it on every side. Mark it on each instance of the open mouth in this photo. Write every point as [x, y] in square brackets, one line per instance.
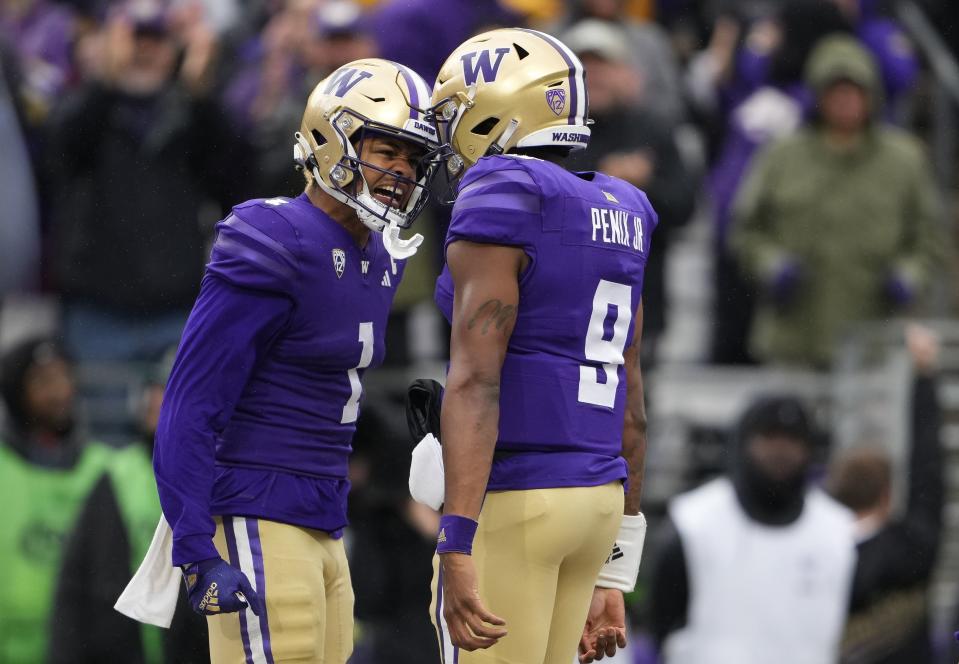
[390, 195]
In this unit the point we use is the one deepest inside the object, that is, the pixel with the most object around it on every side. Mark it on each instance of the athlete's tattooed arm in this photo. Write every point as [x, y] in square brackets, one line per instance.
[485, 301]
[495, 313]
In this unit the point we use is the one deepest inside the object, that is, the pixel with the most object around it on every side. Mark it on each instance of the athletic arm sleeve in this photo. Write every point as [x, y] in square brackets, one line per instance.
[244, 303]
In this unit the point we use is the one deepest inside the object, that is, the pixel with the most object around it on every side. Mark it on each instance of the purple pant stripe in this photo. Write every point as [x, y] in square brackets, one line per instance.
[235, 560]
[253, 532]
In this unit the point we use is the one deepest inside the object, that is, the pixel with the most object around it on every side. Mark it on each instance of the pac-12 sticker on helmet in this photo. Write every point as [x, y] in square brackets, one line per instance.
[556, 100]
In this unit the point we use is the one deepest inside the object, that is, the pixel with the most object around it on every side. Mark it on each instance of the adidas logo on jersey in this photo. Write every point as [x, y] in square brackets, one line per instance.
[442, 536]
[211, 599]
[386, 279]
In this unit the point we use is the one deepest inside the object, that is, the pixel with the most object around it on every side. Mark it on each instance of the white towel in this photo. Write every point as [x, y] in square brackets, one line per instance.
[427, 473]
[151, 595]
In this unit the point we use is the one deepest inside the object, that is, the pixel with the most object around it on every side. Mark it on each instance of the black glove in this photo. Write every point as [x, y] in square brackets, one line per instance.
[423, 401]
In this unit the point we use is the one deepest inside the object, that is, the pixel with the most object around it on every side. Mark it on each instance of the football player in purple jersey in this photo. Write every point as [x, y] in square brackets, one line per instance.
[543, 419]
[255, 430]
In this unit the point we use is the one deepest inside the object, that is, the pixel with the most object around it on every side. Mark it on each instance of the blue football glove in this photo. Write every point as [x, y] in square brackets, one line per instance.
[215, 586]
[899, 290]
[785, 282]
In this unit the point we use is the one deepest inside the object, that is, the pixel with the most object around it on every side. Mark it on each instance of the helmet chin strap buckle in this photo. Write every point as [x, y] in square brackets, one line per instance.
[497, 147]
[397, 247]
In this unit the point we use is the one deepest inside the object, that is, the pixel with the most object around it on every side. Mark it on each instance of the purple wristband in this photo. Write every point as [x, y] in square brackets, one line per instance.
[456, 534]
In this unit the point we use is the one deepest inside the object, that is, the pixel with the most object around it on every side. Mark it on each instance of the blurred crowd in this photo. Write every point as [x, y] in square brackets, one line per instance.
[795, 132]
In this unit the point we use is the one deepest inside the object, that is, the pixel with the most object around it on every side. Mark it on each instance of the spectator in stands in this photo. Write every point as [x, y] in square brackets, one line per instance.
[774, 110]
[745, 36]
[632, 142]
[299, 46]
[889, 616]
[649, 51]
[133, 153]
[111, 536]
[895, 56]
[421, 33]
[41, 31]
[46, 472]
[264, 98]
[757, 566]
[838, 223]
[20, 228]
[342, 35]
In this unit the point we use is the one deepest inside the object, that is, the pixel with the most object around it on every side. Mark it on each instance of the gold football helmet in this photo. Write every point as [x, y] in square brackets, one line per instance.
[370, 95]
[507, 89]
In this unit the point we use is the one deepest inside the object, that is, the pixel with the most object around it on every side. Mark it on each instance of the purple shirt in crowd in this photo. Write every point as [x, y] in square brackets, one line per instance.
[422, 33]
[563, 387]
[262, 403]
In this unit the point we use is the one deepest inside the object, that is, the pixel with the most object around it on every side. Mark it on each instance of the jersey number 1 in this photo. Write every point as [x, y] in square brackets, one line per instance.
[607, 352]
[352, 408]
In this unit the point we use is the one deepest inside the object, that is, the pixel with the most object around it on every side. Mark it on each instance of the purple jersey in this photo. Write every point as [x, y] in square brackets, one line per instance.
[563, 388]
[263, 399]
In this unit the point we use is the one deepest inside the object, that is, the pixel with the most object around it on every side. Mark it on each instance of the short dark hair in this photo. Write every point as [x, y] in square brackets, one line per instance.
[860, 477]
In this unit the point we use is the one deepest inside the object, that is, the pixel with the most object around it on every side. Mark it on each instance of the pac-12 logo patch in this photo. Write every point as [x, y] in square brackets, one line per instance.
[339, 262]
[556, 100]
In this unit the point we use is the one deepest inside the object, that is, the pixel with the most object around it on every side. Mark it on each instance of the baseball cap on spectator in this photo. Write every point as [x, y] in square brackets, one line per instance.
[340, 18]
[148, 17]
[599, 38]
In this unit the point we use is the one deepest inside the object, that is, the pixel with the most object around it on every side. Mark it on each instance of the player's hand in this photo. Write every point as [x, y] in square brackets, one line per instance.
[471, 626]
[605, 628]
[215, 586]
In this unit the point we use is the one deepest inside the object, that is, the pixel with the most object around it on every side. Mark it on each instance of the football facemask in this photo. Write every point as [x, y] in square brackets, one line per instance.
[367, 98]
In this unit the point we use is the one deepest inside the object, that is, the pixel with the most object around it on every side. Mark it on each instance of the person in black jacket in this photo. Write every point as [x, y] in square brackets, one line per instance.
[889, 617]
[133, 154]
[108, 541]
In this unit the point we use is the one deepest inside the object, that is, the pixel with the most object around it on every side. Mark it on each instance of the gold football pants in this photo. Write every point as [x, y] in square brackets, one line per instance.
[303, 576]
[537, 555]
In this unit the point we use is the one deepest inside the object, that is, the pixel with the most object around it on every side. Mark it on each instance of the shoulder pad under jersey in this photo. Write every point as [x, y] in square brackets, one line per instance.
[498, 201]
[256, 247]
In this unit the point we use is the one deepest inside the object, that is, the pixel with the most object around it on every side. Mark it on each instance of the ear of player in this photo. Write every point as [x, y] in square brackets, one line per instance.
[360, 99]
[510, 88]
[215, 586]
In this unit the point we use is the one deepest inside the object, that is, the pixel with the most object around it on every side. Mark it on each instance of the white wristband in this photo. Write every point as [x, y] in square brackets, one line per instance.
[622, 566]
